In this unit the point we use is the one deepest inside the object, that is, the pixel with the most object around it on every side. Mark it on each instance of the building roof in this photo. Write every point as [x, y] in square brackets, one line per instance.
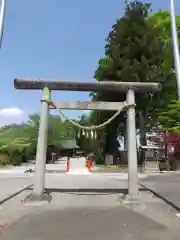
[69, 144]
[153, 147]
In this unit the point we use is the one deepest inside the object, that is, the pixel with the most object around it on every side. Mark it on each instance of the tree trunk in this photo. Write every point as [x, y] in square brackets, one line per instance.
[125, 145]
[142, 129]
[143, 140]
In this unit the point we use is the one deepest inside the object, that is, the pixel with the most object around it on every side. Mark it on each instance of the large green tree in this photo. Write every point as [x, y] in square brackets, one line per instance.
[168, 115]
[136, 51]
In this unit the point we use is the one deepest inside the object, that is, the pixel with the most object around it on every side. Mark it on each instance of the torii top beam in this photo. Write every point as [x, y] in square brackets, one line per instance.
[28, 84]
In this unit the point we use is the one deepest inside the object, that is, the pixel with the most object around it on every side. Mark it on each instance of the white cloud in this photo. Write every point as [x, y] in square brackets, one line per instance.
[11, 112]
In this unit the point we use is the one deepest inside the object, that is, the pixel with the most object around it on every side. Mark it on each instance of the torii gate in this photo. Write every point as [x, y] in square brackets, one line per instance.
[130, 88]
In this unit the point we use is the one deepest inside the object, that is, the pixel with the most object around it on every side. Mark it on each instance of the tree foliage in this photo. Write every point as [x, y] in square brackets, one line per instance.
[170, 117]
[19, 141]
[86, 142]
[136, 50]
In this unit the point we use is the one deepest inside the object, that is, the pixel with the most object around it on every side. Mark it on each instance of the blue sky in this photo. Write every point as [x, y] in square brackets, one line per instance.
[62, 40]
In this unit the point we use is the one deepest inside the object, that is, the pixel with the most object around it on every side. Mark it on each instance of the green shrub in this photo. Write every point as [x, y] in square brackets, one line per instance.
[14, 153]
[4, 159]
[16, 158]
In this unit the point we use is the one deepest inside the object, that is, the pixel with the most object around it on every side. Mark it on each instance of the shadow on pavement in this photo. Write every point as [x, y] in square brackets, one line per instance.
[86, 224]
[88, 190]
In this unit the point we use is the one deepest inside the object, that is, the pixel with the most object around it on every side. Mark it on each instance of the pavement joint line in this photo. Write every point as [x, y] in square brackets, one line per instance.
[161, 197]
[20, 190]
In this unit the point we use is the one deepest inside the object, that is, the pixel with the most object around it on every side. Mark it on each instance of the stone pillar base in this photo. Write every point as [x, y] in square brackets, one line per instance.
[33, 199]
[131, 202]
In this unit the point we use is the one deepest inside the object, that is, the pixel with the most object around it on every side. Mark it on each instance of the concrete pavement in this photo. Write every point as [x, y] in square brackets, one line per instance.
[166, 186]
[90, 224]
[89, 207]
[13, 179]
[59, 166]
[86, 207]
[12, 185]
